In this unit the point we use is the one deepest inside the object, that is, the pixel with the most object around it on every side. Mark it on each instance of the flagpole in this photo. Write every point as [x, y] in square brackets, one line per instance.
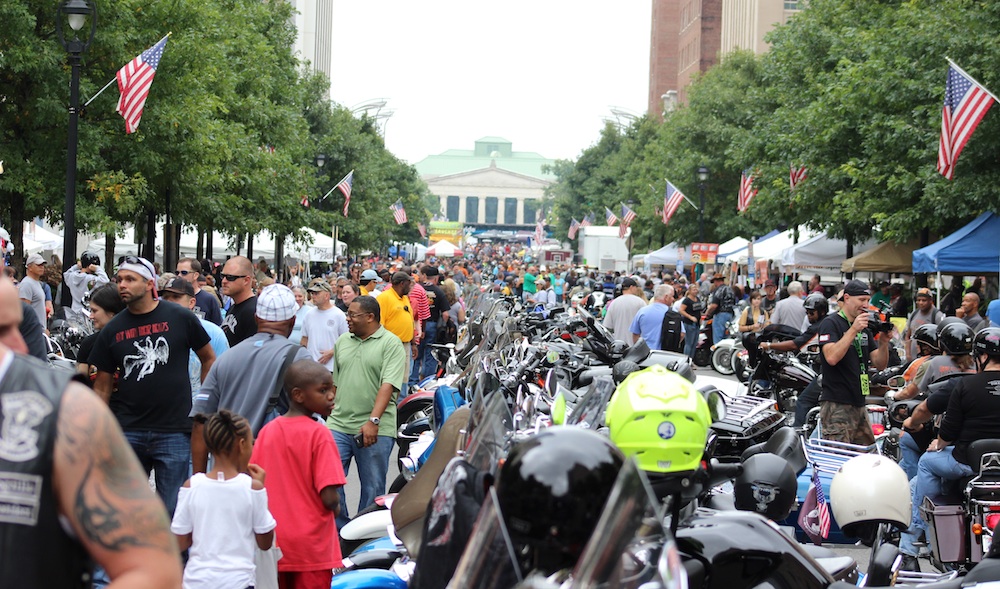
[684, 196]
[966, 74]
[99, 92]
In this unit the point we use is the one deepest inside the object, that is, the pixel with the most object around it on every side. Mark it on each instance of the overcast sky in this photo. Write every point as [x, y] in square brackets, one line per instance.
[541, 73]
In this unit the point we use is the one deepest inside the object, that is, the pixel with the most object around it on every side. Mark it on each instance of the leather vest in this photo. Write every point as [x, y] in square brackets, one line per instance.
[35, 548]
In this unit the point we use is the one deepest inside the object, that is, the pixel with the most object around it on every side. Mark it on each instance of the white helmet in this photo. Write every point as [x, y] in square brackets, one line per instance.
[870, 489]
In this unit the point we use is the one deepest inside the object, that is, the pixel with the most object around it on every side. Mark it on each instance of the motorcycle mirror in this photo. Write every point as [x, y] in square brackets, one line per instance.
[896, 382]
[716, 405]
[812, 348]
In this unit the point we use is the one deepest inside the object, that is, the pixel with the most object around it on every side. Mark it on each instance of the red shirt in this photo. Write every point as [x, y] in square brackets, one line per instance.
[418, 297]
[301, 459]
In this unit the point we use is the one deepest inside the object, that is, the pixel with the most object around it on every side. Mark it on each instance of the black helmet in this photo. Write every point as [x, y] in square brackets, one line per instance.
[552, 490]
[766, 486]
[987, 342]
[927, 334]
[945, 323]
[623, 368]
[956, 339]
[816, 302]
[89, 259]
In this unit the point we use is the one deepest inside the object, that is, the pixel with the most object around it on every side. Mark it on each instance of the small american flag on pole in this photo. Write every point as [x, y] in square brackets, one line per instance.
[672, 200]
[965, 105]
[540, 231]
[821, 505]
[610, 217]
[134, 80]
[574, 226]
[747, 191]
[398, 212]
[345, 187]
[305, 201]
[588, 220]
[422, 229]
[627, 216]
[796, 175]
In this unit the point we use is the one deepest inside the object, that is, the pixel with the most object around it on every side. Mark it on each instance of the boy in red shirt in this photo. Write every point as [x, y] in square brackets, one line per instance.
[304, 472]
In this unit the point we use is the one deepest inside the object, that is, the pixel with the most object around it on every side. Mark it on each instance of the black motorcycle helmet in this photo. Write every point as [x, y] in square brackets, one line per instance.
[987, 342]
[816, 302]
[88, 259]
[946, 322]
[926, 334]
[622, 369]
[956, 339]
[766, 486]
[552, 490]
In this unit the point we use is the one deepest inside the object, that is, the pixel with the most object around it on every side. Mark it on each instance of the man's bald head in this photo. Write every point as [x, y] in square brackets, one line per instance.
[10, 318]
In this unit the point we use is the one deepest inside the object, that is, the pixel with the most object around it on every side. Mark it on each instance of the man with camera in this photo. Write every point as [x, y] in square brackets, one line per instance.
[848, 347]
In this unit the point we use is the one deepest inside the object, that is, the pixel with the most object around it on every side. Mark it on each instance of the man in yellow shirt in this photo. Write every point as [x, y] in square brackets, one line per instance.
[398, 317]
[369, 282]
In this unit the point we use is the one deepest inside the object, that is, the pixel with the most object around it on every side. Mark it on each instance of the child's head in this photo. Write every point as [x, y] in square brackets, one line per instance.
[228, 435]
[310, 388]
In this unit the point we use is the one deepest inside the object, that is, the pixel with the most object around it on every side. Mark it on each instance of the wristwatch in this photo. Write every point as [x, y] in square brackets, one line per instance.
[375, 420]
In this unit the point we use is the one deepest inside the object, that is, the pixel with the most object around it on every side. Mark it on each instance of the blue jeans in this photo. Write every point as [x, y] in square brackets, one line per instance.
[690, 338]
[935, 472]
[911, 453]
[373, 465]
[806, 401]
[425, 360]
[719, 324]
[168, 455]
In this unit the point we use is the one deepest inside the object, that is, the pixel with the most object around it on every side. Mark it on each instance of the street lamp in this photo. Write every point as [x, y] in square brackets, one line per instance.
[702, 179]
[320, 160]
[76, 13]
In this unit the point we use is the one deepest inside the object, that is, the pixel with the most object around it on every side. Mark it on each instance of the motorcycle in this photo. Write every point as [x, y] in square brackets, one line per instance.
[722, 352]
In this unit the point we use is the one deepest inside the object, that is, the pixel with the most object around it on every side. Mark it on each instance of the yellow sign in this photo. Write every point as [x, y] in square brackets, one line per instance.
[450, 230]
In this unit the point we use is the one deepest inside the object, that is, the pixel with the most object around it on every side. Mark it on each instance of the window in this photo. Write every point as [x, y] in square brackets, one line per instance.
[530, 211]
[793, 5]
[472, 209]
[510, 211]
[491, 210]
[452, 211]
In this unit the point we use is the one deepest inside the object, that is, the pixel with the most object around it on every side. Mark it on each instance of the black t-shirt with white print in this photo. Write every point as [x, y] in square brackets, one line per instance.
[150, 352]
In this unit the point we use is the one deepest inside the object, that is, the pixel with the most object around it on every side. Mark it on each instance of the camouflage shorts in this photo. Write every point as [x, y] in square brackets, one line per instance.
[845, 423]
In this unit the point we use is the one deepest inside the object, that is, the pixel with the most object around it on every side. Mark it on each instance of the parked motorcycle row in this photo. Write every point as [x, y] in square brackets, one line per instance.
[547, 454]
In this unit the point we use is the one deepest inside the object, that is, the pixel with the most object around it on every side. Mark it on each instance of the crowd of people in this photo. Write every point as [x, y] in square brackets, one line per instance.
[196, 364]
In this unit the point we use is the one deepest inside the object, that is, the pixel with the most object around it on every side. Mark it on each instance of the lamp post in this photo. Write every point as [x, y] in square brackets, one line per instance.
[702, 179]
[76, 13]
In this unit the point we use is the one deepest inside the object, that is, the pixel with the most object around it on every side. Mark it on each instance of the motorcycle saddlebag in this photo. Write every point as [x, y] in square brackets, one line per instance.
[947, 533]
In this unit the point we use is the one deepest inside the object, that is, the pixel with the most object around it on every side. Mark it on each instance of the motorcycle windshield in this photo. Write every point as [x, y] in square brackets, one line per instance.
[488, 561]
[630, 546]
[490, 435]
[589, 411]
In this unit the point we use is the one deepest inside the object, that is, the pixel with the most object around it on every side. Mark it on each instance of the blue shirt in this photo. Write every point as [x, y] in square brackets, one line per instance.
[219, 345]
[647, 323]
[993, 312]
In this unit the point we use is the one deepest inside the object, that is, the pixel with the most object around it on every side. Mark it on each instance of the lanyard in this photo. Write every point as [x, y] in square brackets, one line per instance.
[865, 385]
[857, 339]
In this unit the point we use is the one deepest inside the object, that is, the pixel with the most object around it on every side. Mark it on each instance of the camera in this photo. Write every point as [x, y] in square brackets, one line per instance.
[879, 322]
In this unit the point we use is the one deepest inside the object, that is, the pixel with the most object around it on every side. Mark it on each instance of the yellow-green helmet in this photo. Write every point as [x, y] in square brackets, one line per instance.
[660, 418]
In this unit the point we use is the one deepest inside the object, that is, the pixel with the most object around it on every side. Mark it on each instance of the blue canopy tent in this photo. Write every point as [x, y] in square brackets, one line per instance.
[973, 249]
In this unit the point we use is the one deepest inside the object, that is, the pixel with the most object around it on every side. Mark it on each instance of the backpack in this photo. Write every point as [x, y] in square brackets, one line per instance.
[671, 330]
[447, 333]
[726, 298]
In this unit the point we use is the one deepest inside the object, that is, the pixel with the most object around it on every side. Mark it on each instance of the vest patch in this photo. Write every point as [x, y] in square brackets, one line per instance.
[22, 413]
[20, 497]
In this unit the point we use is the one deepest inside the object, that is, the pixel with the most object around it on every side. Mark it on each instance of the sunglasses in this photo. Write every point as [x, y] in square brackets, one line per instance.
[233, 277]
[182, 272]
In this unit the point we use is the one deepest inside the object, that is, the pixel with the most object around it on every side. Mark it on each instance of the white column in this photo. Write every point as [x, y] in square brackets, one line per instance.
[461, 209]
[482, 209]
[444, 205]
[520, 210]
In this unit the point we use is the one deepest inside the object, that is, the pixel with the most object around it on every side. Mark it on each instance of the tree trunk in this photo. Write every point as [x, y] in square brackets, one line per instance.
[17, 233]
[149, 251]
[210, 234]
[199, 250]
[109, 252]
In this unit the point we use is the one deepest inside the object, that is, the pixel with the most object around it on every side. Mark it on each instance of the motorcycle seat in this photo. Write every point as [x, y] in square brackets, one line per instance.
[818, 552]
[784, 442]
[985, 492]
[837, 566]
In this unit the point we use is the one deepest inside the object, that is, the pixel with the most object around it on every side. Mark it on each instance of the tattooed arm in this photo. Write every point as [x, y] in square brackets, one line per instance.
[103, 492]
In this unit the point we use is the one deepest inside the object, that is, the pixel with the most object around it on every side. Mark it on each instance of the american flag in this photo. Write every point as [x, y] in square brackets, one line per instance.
[610, 217]
[134, 80]
[747, 191]
[627, 217]
[422, 229]
[796, 175]
[345, 186]
[398, 212]
[574, 226]
[588, 220]
[965, 104]
[540, 231]
[821, 506]
[305, 201]
[671, 202]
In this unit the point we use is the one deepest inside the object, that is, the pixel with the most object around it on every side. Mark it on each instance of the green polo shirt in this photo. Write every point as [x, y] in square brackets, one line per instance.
[360, 366]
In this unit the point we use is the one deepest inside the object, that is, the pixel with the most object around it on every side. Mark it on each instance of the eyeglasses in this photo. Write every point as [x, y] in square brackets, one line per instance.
[182, 272]
[357, 314]
[233, 277]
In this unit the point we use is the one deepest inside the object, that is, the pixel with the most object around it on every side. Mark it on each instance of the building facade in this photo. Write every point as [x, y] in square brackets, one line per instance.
[489, 187]
[314, 42]
[746, 22]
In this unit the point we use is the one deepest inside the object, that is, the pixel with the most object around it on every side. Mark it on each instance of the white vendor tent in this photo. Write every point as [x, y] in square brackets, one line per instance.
[668, 255]
[819, 252]
[444, 249]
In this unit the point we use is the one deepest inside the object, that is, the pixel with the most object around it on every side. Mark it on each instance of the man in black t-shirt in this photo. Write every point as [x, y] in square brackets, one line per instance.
[148, 344]
[237, 282]
[425, 363]
[847, 348]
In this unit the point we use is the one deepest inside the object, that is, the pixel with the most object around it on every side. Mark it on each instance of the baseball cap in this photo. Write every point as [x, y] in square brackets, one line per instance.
[276, 303]
[770, 282]
[856, 288]
[370, 274]
[179, 286]
[34, 259]
[924, 292]
[629, 283]
[401, 277]
[320, 284]
[719, 277]
[429, 270]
